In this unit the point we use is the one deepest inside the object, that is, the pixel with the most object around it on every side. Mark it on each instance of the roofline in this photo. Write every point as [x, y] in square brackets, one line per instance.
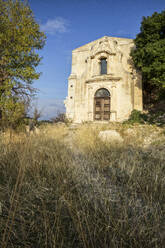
[102, 38]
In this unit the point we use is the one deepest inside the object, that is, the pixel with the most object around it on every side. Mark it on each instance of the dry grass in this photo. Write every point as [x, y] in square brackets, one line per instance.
[57, 131]
[91, 194]
[135, 135]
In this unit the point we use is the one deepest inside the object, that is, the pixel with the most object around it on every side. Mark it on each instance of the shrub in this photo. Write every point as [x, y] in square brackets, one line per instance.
[61, 117]
[137, 117]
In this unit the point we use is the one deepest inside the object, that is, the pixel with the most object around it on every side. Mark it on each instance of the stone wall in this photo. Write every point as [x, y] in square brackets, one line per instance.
[121, 80]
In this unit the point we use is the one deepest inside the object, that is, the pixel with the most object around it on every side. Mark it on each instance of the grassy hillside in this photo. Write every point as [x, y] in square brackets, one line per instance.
[65, 187]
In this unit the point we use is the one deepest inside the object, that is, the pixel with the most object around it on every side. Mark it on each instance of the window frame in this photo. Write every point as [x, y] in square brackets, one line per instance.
[103, 67]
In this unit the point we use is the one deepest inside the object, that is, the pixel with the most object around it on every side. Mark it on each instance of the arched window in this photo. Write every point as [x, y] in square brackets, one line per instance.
[102, 93]
[103, 66]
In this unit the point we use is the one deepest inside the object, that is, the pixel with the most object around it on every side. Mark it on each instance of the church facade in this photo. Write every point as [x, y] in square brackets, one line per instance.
[103, 84]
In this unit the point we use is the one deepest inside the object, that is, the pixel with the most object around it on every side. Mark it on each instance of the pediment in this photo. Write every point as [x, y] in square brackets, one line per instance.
[104, 45]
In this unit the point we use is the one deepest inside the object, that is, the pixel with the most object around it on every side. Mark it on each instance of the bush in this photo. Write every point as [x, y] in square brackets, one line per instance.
[61, 117]
[137, 117]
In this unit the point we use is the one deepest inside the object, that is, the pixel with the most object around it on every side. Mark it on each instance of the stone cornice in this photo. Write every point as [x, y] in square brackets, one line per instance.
[103, 51]
[72, 76]
[102, 78]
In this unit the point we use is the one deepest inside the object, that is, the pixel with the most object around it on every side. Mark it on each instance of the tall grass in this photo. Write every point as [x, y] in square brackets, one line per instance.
[92, 194]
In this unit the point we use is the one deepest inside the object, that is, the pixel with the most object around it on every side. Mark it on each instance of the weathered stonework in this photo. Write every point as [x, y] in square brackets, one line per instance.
[121, 80]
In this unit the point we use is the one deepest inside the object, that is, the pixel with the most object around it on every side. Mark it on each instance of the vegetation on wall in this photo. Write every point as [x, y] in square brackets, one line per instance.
[20, 36]
[149, 55]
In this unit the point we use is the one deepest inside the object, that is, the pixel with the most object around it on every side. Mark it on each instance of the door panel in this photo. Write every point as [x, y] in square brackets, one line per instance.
[98, 109]
[106, 109]
[106, 101]
[106, 117]
[97, 117]
[102, 108]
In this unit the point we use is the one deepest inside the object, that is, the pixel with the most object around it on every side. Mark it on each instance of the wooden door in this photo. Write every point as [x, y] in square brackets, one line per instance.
[102, 108]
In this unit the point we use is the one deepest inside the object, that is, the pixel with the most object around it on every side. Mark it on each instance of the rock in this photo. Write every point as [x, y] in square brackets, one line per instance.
[130, 131]
[151, 138]
[110, 136]
[60, 123]
[73, 126]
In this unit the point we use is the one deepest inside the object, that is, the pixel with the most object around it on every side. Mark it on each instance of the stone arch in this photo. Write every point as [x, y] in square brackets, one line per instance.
[102, 92]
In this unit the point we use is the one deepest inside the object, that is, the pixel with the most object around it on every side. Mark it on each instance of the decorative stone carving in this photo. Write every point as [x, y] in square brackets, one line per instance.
[121, 80]
[103, 46]
[102, 78]
[72, 76]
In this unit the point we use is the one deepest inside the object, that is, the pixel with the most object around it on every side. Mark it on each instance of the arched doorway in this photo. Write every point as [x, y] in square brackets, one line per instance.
[102, 105]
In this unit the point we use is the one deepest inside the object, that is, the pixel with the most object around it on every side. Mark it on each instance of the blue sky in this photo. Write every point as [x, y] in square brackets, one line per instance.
[69, 24]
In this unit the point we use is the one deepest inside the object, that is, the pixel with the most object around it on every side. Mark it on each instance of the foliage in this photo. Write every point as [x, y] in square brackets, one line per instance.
[136, 116]
[151, 117]
[36, 115]
[20, 36]
[149, 55]
[34, 121]
[61, 117]
[13, 114]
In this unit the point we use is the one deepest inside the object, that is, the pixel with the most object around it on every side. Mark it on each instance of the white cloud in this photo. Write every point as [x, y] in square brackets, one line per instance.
[53, 26]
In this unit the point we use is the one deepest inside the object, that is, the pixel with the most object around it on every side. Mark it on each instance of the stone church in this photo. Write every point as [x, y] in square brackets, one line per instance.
[103, 84]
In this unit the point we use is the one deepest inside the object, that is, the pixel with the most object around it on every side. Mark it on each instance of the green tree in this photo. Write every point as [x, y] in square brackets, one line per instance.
[20, 37]
[149, 55]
